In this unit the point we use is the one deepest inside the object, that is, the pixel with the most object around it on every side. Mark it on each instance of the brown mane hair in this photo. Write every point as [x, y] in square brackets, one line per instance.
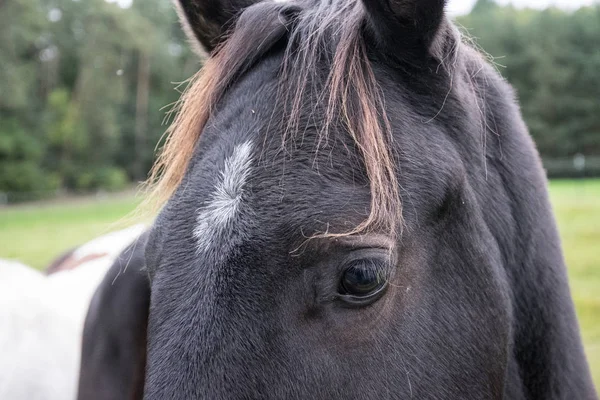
[328, 32]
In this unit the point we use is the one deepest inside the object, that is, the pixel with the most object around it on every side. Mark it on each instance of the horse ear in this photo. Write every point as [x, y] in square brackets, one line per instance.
[401, 25]
[206, 22]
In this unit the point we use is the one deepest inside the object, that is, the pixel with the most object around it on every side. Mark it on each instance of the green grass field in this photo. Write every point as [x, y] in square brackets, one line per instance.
[577, 208]
[36, 233]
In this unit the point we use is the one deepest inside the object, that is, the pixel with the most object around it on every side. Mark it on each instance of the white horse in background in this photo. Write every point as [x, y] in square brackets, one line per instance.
[42, 316]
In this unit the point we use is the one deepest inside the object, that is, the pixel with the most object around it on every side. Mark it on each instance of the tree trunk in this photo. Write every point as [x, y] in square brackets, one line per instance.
[141, 115]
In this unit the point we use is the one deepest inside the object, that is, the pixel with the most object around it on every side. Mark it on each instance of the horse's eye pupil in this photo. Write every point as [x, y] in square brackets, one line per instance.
[361, 280]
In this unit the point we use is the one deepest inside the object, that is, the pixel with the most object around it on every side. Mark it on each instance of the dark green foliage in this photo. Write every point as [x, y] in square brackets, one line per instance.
[72, 115]
[551, 57]
[69, 76]
[21, 173]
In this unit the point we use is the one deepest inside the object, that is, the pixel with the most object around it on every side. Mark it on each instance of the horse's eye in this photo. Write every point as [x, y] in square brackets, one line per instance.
[363, 282]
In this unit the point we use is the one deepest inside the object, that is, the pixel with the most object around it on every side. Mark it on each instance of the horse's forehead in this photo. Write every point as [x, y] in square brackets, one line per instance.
[249, 186]
[220, 219]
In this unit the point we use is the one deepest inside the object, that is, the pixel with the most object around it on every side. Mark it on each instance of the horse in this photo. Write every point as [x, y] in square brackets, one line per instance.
[105, 249]
[113, 355]
[37, 341]
[350, 207]
[42, 316]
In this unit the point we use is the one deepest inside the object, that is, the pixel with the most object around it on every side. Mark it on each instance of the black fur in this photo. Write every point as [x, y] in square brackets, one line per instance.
[207, 22]
[113, 355]
[407, 25]
[478, 305]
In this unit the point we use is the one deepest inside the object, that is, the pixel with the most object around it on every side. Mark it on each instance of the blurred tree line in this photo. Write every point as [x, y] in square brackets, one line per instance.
[83, 83]
[552, 58]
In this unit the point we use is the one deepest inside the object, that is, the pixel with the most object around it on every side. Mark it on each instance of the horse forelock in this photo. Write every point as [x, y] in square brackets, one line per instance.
[348, 95]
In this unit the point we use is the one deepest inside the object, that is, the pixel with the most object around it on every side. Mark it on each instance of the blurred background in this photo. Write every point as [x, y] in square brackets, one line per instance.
[85, 86]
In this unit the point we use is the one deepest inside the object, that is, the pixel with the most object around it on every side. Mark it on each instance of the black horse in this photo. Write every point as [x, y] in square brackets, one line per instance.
[356, 211]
